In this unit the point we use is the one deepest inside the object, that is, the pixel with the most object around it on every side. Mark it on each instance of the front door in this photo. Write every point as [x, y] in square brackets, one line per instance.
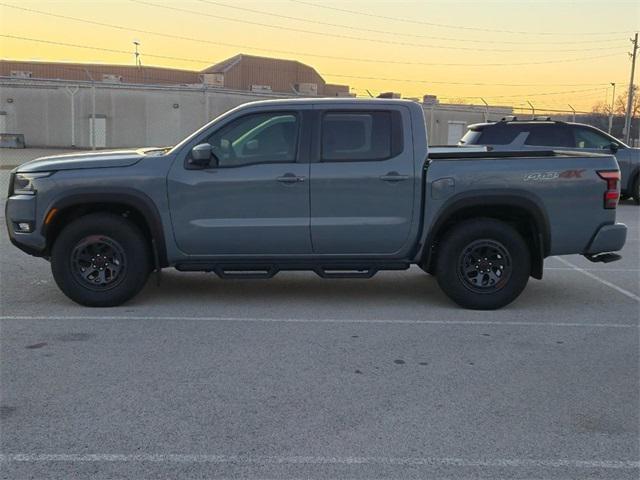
[254, 201]
[594, 141]
[362, 183]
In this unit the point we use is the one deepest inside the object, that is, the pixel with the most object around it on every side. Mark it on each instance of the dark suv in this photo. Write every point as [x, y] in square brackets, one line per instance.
[513, 134]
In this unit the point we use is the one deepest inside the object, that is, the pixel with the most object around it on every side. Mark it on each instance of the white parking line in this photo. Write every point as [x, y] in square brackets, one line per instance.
[569, 269]
[321, 460]
[598, 279]
[327, 320]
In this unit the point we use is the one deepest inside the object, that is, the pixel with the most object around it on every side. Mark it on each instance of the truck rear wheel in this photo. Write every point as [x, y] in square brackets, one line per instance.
[100, 260]
[483, 264]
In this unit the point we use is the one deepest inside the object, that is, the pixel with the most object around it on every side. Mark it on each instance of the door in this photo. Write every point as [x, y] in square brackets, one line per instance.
[255, 201]
[98, 131]
[455, 132]
[593, 140]
[362, 182]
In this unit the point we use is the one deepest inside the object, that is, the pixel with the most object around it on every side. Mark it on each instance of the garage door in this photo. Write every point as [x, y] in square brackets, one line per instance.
[455, 132]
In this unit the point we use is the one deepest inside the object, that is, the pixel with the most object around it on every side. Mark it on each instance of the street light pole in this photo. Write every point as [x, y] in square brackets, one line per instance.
[137, 54]
[613, 100]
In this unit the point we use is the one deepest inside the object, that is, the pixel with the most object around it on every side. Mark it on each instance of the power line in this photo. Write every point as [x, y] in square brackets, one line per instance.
[63, 66]
[110, 50]
[479, 84]
[351, 37]
[387, 32]
[327, 74]
[546, 62]
[224, 44]
[441, 25]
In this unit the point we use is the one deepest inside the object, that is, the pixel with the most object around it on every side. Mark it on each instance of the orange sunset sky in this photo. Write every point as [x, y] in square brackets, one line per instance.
[552, 53]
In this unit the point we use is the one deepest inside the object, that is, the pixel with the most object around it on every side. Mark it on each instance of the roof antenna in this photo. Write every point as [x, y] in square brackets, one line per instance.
[370, 94]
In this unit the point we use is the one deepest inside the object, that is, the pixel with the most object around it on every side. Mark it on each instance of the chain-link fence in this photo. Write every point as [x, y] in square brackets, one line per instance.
[56, 116]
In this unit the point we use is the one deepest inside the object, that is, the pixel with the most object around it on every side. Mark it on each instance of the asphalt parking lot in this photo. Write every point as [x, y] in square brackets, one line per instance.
[300, 377]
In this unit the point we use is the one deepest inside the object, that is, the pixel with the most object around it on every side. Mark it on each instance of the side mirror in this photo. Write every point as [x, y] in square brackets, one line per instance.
[614, 147]
[201, 155]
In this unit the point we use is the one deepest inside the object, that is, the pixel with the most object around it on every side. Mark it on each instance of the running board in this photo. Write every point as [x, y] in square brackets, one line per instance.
[234, 271]
[603, 257]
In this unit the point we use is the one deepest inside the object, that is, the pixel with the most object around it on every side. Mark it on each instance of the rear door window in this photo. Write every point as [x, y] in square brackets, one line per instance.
[549, 135]
[359, 136]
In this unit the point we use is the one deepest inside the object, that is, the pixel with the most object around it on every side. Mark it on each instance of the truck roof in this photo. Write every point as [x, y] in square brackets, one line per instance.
[333, 101]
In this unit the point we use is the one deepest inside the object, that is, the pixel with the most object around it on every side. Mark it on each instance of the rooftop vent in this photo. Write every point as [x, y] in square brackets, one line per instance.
[111, 78]
[20, 74]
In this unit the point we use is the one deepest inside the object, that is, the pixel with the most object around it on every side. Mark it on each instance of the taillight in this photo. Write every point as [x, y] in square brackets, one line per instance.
[612, 194]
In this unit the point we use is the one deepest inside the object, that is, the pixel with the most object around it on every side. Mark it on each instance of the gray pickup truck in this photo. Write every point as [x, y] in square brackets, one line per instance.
[342, 187]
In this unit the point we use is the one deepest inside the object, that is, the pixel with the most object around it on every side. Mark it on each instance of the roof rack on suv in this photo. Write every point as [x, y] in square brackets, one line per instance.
[539, 118]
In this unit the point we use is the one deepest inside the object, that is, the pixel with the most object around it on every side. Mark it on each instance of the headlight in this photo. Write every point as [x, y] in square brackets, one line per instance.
[23, 182]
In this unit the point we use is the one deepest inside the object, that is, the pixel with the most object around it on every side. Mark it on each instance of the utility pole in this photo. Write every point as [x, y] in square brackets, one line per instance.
[613, 101]
[629, 113]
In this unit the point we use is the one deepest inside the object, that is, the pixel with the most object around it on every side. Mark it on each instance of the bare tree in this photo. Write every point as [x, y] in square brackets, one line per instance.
[620, 107]
[601, 108]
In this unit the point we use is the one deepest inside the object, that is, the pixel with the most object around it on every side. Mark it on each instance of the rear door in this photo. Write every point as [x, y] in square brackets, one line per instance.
[551, 136]
[362, 181]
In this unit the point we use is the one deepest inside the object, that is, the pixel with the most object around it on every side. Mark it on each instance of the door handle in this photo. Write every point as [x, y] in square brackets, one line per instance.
[393, 177]
[290, 178]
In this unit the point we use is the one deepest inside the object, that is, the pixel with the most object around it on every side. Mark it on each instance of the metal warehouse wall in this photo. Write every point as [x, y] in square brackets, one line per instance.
[157, 116]
[442, 120]
[134, 116]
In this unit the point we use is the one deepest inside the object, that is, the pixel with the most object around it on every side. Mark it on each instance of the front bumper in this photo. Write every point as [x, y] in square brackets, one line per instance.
[22, 208]
[609, 238]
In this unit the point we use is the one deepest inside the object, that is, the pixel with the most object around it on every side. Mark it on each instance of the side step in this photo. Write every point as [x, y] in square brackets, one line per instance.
[603, 257]
[263, 271]
[345, 272]
[255, 272]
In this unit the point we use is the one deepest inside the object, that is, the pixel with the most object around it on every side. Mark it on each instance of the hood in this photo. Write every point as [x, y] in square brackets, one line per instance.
[118, 158]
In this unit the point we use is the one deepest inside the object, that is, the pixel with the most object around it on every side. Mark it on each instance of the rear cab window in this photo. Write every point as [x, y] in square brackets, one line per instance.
[353, 135]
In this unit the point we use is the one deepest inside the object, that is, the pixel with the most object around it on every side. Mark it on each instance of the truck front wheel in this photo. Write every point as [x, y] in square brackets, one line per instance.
[483, 264]
[100, 260]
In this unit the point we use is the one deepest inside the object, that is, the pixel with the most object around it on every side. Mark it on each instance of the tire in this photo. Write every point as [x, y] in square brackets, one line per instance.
[505, 269]
[100, 260]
